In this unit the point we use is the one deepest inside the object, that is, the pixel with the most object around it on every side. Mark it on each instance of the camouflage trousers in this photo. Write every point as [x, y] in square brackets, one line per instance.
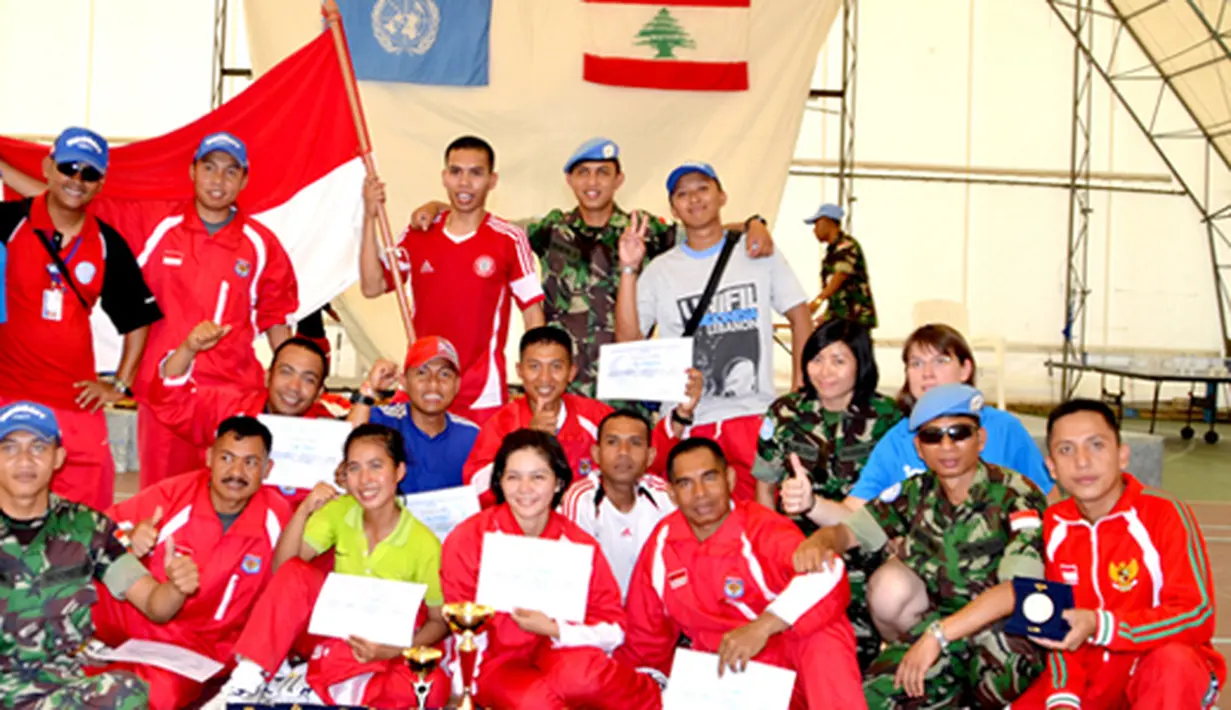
[859, 567]
[63, 686]
[987, 670]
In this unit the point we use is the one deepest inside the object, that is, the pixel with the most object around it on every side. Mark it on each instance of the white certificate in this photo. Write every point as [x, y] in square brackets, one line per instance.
[170, 657]
[306, 451]
[695, 683]
[645, 370]
[551, 576]
[378, 610]
[442, 510]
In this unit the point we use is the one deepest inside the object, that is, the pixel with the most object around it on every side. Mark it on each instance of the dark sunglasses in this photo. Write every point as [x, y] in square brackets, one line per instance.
[88, 173]
[933, 435]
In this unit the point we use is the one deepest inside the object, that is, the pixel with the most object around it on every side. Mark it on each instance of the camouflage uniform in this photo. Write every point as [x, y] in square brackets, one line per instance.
[47, 568]
[581, 274]
[853, 300]
[959, 552]
[833, 447]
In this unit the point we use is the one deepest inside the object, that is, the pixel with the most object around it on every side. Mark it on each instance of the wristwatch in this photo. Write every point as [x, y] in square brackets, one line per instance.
[366, 400]
[679, 418]
[756, 217]
[122, 387]
[630, 270]
[939, 633]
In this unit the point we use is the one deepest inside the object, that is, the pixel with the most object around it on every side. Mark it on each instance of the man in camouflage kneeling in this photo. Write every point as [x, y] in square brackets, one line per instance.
[51, 551]
[967, 529]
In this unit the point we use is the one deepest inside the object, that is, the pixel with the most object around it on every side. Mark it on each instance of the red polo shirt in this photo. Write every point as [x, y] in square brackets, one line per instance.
[41, 358]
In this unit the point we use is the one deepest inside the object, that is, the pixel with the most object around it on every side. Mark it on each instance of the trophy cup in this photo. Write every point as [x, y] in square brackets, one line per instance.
[422, 660]
[466, 620]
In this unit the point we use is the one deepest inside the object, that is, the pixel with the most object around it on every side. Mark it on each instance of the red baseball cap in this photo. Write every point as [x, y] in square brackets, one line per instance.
[424, 350]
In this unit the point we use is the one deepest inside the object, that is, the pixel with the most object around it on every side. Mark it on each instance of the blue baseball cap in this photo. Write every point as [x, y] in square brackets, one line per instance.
[81, 145]
[31, 417]
[953, 400]
[827, 211]
[688, 168]
[593, 149]
[226, 143]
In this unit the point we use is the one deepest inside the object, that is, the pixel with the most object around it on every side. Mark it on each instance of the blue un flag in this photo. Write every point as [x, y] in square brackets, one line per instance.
[443, 42]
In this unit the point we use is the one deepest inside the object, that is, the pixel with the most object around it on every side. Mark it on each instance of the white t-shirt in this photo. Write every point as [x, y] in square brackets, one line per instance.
[733, 346]
[620, 535]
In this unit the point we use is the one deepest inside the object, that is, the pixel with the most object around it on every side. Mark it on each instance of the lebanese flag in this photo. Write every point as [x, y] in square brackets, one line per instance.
[681, 45]
[305, 181]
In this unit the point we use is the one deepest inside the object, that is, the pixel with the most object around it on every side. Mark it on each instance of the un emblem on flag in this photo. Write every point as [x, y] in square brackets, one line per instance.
[406, 26]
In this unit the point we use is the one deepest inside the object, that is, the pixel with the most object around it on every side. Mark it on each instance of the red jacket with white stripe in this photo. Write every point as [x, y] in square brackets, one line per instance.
[234, 566]
[1143, 567]
[577, 431]
[241, 276]
[705, 589]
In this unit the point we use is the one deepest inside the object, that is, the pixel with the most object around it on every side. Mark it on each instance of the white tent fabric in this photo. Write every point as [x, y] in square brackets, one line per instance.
[537, 109]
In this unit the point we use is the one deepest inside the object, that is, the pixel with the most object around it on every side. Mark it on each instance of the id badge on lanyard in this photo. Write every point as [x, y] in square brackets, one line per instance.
[53, 296]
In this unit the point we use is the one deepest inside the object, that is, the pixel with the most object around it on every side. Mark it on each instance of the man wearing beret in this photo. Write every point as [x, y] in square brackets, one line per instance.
[844, 272]
[969, 528]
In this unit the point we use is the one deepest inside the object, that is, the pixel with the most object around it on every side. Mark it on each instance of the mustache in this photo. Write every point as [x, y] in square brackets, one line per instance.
[236, 479]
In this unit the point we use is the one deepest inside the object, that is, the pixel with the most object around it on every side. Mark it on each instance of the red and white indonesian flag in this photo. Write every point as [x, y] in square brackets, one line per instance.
[689, 45]
[305, 181]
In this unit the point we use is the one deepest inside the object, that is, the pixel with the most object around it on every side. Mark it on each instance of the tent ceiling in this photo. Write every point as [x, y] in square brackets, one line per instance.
[1188, 41]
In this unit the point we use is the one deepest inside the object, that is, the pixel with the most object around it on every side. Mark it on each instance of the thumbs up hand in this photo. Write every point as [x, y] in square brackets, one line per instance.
[796, 489]
[145, 535]
[181, 570]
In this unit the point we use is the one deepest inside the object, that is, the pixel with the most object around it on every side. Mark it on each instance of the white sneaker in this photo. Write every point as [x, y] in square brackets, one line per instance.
[246, 684]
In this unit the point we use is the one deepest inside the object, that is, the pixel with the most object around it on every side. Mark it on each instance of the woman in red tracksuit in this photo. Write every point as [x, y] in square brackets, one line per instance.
[1143, 623]
[526, 659]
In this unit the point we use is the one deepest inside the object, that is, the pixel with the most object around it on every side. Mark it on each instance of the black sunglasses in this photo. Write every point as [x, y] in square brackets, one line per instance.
[933, 435]
[88, 173]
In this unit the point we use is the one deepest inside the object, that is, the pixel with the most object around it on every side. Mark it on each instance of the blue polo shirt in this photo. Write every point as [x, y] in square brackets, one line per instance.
[895, 458]
[4, 310]
[432, 462]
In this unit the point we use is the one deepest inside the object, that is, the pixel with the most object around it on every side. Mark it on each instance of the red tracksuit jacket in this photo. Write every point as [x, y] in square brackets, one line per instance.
[234, 567]
[705, 589]
[1145, 569]
[239, 276]
[577, 434]
[459, 580]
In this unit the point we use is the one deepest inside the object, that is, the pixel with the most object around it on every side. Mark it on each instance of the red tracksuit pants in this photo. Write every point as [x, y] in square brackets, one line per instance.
[115, 622]
[738, 438]
[161, 451]
[561, 678]
[279, 624]
[1169, 677]
[88, 475]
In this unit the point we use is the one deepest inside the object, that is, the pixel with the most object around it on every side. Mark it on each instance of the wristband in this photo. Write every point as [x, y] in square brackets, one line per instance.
[366, 400]
[679, 418]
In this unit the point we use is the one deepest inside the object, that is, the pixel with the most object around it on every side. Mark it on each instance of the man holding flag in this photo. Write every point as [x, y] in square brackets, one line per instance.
[62, 261]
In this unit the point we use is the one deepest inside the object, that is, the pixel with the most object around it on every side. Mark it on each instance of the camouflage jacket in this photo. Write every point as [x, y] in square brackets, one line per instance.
[46, 585]
[581, 274]
[853, 300]
[833, 446]
[960, 551]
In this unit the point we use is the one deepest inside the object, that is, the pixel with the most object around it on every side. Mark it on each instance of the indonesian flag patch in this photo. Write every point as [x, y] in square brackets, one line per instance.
[680, 45]
[1025, 520]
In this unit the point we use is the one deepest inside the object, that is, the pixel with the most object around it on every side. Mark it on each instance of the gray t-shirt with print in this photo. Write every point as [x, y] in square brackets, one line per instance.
[733, 346]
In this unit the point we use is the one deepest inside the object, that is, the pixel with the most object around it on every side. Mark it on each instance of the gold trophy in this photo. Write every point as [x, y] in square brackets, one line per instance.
[422, 661]
[466, 620]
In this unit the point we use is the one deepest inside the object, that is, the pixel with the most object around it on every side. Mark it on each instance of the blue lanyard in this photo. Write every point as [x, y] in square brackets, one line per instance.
[55, 270]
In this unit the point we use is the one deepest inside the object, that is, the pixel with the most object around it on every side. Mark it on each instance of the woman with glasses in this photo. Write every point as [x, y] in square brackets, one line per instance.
[936, 354]
[814, 441]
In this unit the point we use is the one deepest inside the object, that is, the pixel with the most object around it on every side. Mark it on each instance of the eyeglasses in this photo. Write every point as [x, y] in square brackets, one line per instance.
[958, 432]
[88, 173]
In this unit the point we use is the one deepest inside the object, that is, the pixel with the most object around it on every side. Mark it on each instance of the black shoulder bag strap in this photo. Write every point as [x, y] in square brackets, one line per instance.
[703, 303]
[65, 274]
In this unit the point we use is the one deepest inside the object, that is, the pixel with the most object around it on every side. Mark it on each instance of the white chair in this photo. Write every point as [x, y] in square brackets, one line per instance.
[955, 315]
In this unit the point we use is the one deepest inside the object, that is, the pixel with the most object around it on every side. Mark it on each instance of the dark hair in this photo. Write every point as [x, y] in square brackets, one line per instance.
[473, 143]
[693, 444]
[1074, 406]
[243, 427]
[546, 335]
[943, 339]
[626, 413]
[541, 442]
[613, 161]
[298, 341]
[392, 439]
[859, 340]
